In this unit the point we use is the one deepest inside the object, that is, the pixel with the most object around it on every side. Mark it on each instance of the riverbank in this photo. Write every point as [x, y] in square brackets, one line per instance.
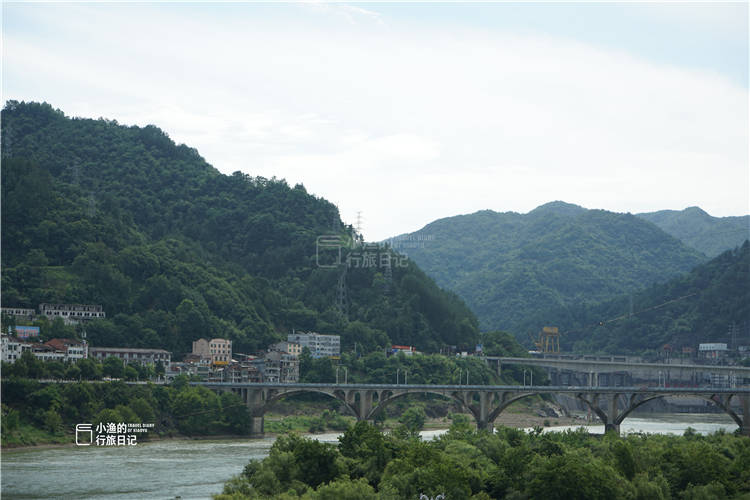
[517, 420]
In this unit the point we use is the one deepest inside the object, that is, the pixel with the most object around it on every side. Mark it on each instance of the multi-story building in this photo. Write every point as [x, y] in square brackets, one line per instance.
[280, 367]
[245, 372]
[320, 346]
[18, 312]
[11, 348]
[133, 355]
[72, 313]
[46, 352]
[72, 349]
[219, 350]
[53, 350]
[292, 348]
[713, 351]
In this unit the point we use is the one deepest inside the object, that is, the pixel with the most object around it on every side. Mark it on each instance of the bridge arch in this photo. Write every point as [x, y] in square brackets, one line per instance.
[492, 416]
[613, 421]
[385, 398]
[338, 395]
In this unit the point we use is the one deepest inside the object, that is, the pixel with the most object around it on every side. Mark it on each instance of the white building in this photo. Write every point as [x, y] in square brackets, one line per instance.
[71, 313]
[133, 355]
[11, 348]
[320, 346]
[714, 350]
[53, 350]
[18, 312]
[73, 350]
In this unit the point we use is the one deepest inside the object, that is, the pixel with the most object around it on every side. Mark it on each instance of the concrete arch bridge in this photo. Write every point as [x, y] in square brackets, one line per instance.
[485, 402]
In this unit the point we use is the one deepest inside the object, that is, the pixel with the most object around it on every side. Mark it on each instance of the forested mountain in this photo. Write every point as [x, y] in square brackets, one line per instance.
[512, 268]
[700, 306]
[96, 212]
[697, 229]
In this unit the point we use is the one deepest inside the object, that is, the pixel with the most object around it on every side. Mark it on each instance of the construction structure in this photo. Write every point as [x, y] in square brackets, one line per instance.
[548, 341]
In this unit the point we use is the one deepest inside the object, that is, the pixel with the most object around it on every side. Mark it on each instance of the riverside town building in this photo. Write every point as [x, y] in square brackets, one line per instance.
[320, 346]
[133, 355]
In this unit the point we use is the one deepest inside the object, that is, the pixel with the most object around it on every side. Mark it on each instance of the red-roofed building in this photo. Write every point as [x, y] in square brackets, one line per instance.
[71, 348]
[406, 349]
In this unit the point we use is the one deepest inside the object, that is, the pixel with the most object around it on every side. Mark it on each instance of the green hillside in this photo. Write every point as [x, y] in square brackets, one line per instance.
[511, 268]
[697, 307]
[697, 229]
[97, 212]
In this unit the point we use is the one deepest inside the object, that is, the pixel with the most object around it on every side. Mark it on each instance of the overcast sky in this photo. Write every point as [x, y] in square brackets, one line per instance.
[414, 112]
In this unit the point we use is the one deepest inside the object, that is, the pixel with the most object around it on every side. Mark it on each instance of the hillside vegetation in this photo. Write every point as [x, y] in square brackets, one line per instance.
[697, 229]
[96, 212]
[513, 268]
[697, 307]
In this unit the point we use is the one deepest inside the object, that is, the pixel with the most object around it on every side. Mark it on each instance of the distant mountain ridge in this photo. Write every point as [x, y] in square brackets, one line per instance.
[699, 230]
[510, 267]
[711, 303]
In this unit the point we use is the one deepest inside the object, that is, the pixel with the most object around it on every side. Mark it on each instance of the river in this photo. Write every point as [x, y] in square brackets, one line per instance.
[197, 469]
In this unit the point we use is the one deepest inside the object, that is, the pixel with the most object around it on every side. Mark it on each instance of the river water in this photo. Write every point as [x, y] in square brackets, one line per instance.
[197, 469]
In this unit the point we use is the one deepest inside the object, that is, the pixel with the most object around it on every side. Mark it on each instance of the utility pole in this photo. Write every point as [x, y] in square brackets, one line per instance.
[388, 273]
[341, 296]
[631, 305]
[92, 206]
[359, 223]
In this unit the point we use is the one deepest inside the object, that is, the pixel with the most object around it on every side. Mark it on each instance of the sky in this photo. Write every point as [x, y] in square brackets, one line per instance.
[411, 112]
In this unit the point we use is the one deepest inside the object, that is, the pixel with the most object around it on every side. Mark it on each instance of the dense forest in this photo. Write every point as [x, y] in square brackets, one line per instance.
[512, 268]
[464, 464]
[96, 212]
[709, 304]
[699, 230]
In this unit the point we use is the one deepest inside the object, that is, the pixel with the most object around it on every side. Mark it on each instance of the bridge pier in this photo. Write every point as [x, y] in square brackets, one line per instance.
[256, 426]
[606, 408]
[745, 427]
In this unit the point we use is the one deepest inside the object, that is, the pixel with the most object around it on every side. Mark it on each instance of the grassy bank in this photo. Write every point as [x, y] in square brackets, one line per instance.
[27, 435]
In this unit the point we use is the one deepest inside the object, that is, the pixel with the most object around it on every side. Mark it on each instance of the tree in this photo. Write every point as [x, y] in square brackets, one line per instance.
[194, 409]
[345, 489]
[234, 413]
[573, 476]
[52, 421]
[142, 409]
[30, 366]
[369, 448]
[113, 367]
[413, 419]
[108, 416]
[90, 369]
[130, 372]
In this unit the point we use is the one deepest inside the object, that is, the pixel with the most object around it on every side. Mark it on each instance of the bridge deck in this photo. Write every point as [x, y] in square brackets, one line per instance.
[591, 365]
[485, 388]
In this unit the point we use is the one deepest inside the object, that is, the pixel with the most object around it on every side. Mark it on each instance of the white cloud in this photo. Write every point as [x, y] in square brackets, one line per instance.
[405, 125]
